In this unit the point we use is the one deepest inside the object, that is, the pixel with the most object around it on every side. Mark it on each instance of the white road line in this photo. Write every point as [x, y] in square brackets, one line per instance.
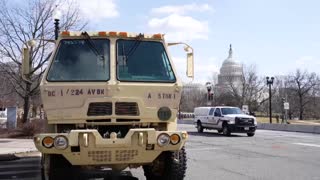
[200, 149]
[307, 144]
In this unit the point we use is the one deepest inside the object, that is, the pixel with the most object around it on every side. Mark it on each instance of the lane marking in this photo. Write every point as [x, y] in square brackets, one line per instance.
[307, 144]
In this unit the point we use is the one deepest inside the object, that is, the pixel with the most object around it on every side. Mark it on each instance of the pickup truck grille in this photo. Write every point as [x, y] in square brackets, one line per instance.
[100, 109]
[127, 108]
[244, 121]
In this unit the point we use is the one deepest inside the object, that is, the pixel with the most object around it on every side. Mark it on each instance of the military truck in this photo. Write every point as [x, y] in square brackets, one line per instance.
[111, 100]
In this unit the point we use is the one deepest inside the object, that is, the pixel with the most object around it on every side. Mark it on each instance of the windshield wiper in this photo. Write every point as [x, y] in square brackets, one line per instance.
[93, 46]
[133, 47]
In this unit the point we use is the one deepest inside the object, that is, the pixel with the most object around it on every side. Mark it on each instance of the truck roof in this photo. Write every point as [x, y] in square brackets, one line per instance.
[66, 34]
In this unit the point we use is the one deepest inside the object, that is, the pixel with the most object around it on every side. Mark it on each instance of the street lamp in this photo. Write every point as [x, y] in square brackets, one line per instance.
[269, 83]
[209, 88]
[56, 14]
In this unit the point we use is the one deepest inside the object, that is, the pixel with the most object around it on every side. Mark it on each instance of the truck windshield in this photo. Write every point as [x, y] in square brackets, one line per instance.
[226, 111]
[145, 61]
[75, 60]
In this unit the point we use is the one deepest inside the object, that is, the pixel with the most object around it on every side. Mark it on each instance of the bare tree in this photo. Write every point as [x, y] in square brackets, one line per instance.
[303, 84]
[20, 24]
[249, 89]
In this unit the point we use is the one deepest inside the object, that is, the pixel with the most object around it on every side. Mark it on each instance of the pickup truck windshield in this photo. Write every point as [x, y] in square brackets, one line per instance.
[226, 111]
[145, 61]
[75, 60]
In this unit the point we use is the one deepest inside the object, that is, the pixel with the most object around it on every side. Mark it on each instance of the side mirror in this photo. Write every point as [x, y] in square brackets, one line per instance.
[190, 65]
[26, 62]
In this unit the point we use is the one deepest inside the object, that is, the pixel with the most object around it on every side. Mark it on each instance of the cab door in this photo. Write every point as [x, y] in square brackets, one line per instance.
[217, 116]
[211, 117]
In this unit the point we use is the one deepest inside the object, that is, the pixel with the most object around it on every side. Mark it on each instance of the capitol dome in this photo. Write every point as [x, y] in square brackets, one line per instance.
[230, 71]
[230, 66]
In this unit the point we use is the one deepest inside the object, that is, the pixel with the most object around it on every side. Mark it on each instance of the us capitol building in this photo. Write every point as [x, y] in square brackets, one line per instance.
[231, 74]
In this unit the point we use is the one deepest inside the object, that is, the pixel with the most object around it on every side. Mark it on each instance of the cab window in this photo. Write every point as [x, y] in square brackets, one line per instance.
[211, 111]
[217, 112]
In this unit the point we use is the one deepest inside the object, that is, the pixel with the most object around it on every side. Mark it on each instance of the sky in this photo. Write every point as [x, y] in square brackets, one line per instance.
[277, 36]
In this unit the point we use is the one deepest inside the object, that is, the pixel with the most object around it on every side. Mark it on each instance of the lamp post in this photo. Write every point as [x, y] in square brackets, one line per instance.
[269, 83]
[56, 14]
[209, 88]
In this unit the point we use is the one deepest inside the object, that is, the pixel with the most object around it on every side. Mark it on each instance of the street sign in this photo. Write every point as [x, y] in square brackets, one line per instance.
[286, 105]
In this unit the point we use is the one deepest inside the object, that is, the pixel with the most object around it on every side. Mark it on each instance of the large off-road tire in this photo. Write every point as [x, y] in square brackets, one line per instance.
[250, 134]
[168, 166]
[199, 127]
[225, 130]
[55, 167]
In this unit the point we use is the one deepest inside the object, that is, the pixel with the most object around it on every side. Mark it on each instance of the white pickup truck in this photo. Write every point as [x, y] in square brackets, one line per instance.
[225, 119]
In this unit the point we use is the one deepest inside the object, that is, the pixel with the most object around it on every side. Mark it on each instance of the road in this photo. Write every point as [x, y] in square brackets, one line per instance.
[266, 156]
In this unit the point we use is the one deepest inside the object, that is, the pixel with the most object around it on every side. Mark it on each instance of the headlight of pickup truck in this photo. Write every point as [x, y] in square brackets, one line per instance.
[255, 121]
[60, 142]
[231, 121]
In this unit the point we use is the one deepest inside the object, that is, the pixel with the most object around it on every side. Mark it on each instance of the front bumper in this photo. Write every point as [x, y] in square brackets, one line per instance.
[87, 147]
[241, 129]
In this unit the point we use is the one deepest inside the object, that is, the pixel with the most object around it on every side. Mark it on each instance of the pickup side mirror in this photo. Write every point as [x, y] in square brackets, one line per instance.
[190, 65]
[25, 62]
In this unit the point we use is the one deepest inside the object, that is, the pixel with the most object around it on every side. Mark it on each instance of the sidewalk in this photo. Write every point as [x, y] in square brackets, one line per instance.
[11, 149]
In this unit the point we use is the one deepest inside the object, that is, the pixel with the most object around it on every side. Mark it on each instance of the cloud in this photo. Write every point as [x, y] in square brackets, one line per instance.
[182, 9]
[179, 27]
[178, 22]
[98, 10]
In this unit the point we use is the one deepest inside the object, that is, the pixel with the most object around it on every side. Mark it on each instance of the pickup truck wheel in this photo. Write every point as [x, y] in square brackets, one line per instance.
[199, 127]
[168, 166]
[225, 130]
[250, 134]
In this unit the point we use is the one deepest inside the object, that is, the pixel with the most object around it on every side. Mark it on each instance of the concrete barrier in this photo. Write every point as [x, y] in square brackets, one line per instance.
[316, 130]
[185, 121]
[290, 127]
[277, 127]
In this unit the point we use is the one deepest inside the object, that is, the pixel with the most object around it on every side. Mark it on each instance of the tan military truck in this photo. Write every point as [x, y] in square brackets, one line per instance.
[111, 100]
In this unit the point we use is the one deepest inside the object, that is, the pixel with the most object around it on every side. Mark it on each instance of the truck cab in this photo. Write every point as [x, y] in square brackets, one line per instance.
[225, 119]
[111, 100]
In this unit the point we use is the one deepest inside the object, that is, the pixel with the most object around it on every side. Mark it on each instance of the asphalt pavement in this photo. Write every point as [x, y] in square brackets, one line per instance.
[266, 156]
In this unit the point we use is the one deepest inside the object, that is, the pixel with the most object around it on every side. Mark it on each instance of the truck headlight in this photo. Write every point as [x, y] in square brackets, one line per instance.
[255, 121]
[163, 139]
[60, 142]
[231, 121]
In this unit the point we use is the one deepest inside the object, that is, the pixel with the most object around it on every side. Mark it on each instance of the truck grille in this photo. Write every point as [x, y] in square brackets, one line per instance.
[100, 109]
[127, 108]
[244, 121]
[106, 156]
[100, 156]
[126, 155]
